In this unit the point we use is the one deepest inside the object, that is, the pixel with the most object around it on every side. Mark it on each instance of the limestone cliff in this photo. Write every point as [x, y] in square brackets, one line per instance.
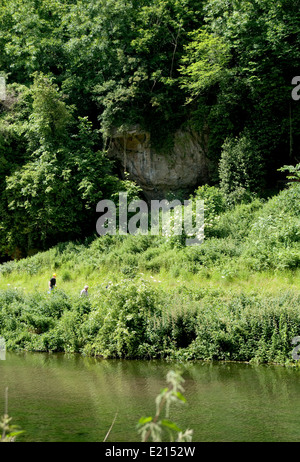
[159, 173]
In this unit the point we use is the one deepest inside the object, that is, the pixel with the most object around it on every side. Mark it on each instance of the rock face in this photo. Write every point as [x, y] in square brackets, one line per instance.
[161, 173]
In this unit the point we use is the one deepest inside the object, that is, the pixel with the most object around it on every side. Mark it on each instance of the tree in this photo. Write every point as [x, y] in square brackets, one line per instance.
[204, 62]
[50, 116]
[52, 197]
[240, 169]
[255, 90]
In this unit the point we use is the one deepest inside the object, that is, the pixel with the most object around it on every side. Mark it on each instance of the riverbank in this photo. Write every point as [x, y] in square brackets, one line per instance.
[235, 297]
[134, 320]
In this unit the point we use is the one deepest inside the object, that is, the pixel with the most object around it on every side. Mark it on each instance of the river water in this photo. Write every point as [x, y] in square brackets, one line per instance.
[71, 398]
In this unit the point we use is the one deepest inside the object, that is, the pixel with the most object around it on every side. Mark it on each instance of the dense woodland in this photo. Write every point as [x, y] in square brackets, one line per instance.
[76, 70]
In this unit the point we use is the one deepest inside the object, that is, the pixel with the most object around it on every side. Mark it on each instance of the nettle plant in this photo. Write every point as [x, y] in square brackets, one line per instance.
[8, 432]
[154, 428]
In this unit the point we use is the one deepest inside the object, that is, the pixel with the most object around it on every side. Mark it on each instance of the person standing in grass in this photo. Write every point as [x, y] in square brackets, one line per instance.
[52, 282]
[84, 291]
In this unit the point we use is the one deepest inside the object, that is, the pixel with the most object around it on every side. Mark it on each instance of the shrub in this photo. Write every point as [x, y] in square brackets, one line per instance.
[240, 169]
[66, 276]
[124, 314]
[245, 328]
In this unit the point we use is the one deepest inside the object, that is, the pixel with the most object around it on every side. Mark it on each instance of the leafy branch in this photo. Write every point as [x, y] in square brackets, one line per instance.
[154, 427]
[294, 172]
[8, 432]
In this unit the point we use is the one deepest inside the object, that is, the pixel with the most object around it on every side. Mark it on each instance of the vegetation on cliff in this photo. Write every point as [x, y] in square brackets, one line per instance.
[74, 70]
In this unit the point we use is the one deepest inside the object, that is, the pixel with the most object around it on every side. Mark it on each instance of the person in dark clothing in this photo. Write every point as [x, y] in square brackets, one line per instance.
[52, 282]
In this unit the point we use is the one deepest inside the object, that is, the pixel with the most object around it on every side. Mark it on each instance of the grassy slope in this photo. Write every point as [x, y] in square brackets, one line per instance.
[234, 297]
[263, 282]
[254, 246]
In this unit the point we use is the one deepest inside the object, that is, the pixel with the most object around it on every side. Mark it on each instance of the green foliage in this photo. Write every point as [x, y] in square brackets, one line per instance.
[153, 428]
[248, 328]
[259, 235]
[274, 235]
[214, 204]
[78, 72]
[240, 170]
[255, 91]
[9, 432]
[124, 320]
[54, 194]
[293, 172]
[204, 62]
[142, 84]
[130, 320]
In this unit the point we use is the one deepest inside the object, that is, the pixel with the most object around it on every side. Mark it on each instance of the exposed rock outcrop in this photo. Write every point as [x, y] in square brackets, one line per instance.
[161, 173]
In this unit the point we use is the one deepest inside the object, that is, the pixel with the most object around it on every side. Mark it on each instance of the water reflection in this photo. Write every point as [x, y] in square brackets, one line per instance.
[60, 397]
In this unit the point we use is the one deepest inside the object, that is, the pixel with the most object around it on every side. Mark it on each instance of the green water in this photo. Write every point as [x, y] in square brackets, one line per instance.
[72, 398]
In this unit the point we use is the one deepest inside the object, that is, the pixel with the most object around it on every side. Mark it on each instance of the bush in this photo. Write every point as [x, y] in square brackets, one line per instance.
[131, 320]
[246, 328]
[274, 235]
[240, 169]
[123, 315]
